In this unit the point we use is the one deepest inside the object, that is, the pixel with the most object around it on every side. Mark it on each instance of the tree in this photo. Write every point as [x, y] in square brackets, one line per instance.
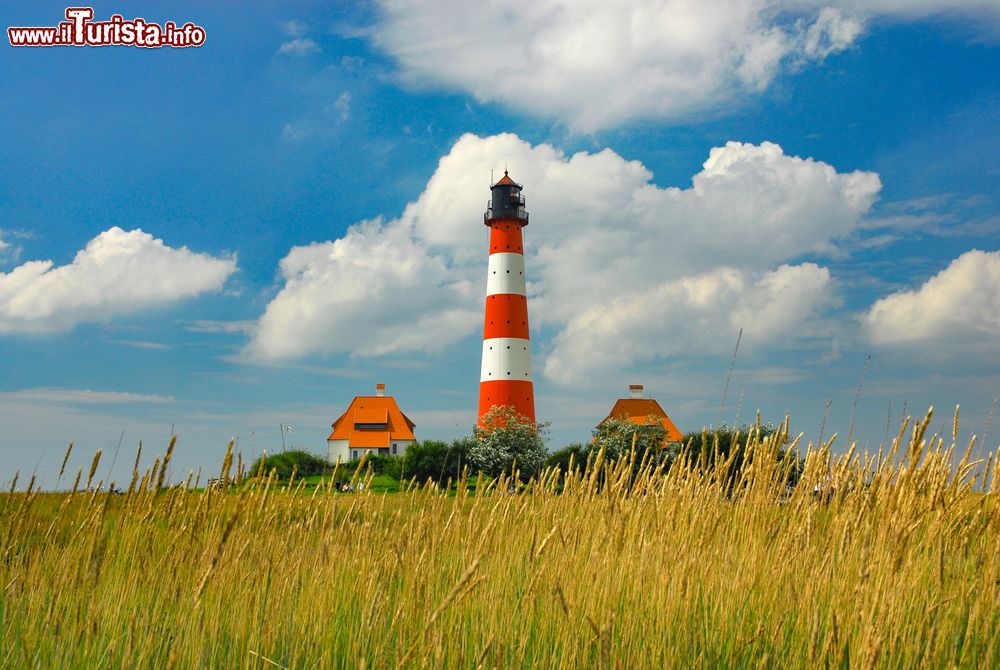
[505, 440]
[707, 448]
[616, 437]
[560, 459]
[435, 460]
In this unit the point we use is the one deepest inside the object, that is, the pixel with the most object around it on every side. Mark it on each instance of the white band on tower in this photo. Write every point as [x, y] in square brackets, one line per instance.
[506, 274]
[506, 359]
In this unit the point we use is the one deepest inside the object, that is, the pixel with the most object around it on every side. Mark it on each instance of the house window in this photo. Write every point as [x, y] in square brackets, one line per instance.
[355, 454]
[393, 448]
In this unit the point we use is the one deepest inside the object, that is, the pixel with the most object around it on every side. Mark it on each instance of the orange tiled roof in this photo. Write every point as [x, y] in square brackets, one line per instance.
[369, 414]
[373, 410]
[370, 439]
[637, 410]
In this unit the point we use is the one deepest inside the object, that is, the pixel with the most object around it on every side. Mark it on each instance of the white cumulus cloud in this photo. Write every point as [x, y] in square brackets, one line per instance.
[374, 291]
[593, 64]
[599, 226]
[117, 273]
[960, 304]
[602, 238]
[691, 315]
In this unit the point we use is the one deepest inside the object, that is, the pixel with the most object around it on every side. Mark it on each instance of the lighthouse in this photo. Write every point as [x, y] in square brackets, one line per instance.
[505, 377]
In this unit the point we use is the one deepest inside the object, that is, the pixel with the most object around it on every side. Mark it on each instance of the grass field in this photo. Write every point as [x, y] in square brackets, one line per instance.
[899, 567]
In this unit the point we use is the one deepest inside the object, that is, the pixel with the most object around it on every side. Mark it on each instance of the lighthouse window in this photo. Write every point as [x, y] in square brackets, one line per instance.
[508, 372]
[508, 272]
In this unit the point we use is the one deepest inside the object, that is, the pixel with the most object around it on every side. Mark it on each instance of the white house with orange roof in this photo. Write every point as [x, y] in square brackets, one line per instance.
[372, 424]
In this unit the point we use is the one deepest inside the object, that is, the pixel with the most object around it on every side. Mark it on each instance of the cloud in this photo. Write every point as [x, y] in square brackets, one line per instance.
[141, 344]
[603, 240]
[604, 228]
[81, 397]
[9, 251]
[942, 215]
[832, 32]
[693, 315]
[908, 10]
[959, 305]
[294, 28]
[374, 291]
[300, 46]
[591, 64]
[342, 106]
[594, 65]
[117, 273]
[219, 327]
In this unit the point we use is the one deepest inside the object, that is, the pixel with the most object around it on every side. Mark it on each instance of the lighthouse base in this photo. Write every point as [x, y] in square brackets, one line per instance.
[519, 394]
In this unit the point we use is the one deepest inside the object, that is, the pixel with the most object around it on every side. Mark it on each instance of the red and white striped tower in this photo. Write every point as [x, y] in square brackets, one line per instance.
[505, 378]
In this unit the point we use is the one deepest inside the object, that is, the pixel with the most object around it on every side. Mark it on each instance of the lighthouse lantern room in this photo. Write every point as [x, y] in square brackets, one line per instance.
[505, 377]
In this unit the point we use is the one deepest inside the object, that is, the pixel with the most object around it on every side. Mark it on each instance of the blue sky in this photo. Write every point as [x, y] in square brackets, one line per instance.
[256, 230]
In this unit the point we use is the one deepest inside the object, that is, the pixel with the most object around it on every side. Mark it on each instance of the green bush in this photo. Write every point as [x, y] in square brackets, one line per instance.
[708, 447]
[432, 459]
[389, 466]
[561, 458]
[380, 465]
[303, 462]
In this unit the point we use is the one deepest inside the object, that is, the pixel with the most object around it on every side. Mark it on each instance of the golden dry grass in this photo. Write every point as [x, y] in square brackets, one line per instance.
[900, 568]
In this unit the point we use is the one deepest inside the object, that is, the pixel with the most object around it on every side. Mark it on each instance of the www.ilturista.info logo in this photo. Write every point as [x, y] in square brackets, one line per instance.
[80, 31]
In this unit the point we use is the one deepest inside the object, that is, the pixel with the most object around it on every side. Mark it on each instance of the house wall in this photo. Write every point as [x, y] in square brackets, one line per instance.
[401, 447]
[337, 449]
[343, 450]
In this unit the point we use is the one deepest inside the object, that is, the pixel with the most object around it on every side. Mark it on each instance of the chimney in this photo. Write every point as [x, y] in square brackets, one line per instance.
[635, 390]
[379, 390]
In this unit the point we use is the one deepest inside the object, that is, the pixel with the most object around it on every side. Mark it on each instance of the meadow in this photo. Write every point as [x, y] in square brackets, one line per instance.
[887, 559]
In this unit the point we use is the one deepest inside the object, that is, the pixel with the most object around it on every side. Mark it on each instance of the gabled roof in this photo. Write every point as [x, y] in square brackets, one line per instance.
[372, 412]
[637, 410]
